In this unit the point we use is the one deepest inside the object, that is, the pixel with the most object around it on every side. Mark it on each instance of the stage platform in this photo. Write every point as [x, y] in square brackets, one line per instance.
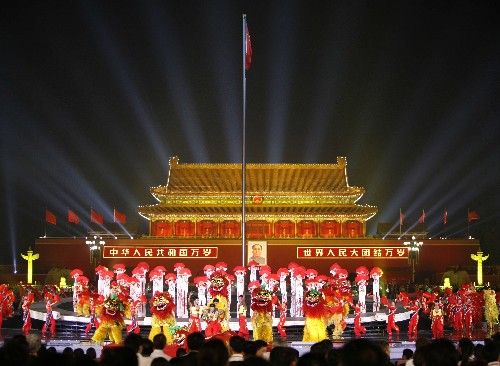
[70, 329]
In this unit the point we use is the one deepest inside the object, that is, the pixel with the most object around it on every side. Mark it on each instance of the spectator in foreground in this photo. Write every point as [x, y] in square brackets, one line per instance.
[118, 356]
[194, 342]
[312, 359]
[322, 347]
[261, 347]
[407, 355]
[363, 352]
[213, 353]
[491, 352]
[159, 343]
[440, 352]
[236, 347]
[283, 356]
[144, 356]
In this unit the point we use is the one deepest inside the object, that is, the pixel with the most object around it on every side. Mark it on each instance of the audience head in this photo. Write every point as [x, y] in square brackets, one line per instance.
[160, 361]
[34, 343]
[283, 356]
[491, 351]
[363, 352]
[250, 348]
[147, 347]
[312, 359]
[180, 352]
[322, 347]
[118, 356]
[237, 344]
[407, 353]
[194, 341]
[159, 341]
[133, 341]
[91, 353]
[213, 353]
[439, 352]
[261, 347]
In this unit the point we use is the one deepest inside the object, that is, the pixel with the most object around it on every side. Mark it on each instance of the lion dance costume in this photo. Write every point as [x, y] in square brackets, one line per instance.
[262, 321]
[218, 290]
[490, 308]
[162, 315]
[316, 315]
[111, 320]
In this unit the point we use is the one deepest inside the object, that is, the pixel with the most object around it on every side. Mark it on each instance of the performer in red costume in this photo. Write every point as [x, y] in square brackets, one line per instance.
[437, 321]
[194, 316]
[413, 325]
[50, 323]
[458, 316]
[213, 323]
[468, 314]
[6, 302]
[134, 305]
[281, 323]
[359, 329]
[242, 318]
[391, 320]
[27, 300]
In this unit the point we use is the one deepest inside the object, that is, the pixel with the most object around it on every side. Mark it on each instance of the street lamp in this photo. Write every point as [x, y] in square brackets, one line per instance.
[413, 254]
[95, 246]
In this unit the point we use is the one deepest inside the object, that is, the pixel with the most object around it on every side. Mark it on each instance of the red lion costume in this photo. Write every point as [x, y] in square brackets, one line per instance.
[162, 315]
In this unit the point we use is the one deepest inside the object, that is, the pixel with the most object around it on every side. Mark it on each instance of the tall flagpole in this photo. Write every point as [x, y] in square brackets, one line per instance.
[243, 158]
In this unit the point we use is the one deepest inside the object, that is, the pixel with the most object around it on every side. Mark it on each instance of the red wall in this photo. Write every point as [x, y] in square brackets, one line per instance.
[435, 255]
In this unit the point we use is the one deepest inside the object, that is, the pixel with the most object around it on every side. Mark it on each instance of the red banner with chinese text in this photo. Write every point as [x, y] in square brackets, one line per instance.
[111, 251]
[352, 252]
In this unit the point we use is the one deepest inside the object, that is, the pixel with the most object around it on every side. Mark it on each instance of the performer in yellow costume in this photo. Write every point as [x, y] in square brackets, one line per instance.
[262, 321]
[490, 308]
[111, 320]
[218, 291]
[162, 316]
[316, 316]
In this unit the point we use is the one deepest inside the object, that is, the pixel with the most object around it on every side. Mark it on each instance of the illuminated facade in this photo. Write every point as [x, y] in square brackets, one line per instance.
[292, 201]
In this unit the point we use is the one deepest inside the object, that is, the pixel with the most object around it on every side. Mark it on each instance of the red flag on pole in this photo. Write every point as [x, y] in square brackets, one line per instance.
[96, 217]
[421, 219]
[73, 217]
[445, 217]
[119, 217]
[401, 217]
[248, 48]
[50, 217]
[472, 215]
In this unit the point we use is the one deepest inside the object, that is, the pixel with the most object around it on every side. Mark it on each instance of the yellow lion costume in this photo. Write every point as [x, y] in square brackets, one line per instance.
[111, 320]
[316, 316]
[262, 321]
[162, 316]
[490, 308]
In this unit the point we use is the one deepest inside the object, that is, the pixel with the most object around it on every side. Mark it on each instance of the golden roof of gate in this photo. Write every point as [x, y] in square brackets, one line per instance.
[260, 179]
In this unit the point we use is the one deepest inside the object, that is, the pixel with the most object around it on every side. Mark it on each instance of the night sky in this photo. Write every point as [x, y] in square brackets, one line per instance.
[95, 96]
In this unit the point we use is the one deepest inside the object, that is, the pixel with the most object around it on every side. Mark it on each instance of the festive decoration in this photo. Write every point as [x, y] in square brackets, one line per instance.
[479, 258]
